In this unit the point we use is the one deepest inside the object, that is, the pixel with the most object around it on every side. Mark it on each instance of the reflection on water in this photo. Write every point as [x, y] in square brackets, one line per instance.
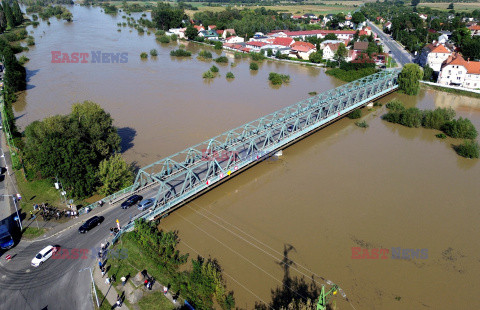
[387, 185]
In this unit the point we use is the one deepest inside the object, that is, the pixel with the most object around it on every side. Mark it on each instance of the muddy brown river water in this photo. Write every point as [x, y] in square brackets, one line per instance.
[383, 187]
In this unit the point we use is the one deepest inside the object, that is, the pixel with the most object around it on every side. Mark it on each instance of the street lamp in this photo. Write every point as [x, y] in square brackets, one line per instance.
[16, 209]
[93, 283]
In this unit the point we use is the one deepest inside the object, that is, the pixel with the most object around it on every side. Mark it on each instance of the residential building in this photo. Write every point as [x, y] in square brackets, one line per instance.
[453, 71]
[283, 41]
[434, 55]
[255, 45]
[475, 30]
[234, 39]
[208, 34]
[284, 50]
[228, 32]
[360, 46]
[179, 32]
[323, 44]
[302, 49]
[330, 50]
[388, 26]
[199, 28]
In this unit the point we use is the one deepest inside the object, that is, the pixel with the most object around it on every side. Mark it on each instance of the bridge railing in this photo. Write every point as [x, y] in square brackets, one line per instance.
[110, 199]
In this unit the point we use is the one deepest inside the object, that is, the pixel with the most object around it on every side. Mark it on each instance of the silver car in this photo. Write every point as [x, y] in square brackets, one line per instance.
[146, 203]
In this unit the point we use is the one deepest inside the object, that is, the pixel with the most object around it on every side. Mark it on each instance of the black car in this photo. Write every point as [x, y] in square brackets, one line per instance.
[131, 201]
[89, 224]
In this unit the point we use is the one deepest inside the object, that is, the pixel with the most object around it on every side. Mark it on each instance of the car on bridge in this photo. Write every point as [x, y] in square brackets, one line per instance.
[43, 255]
[131, 201]
[89, 224]
[146, 203]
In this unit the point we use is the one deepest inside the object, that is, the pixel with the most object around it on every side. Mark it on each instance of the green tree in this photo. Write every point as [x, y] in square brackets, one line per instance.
[358, 17]
[165, 16]
[461, 128]
[3, 20]
[316, 57]
[450, 6]
[8, 15]
[17, 13]
[191, 32]
[427, 73]
[71, 147]
[408, 79]
[341, 53]
[114, 174]
[330, 36]
[415, 2]
[468, 149]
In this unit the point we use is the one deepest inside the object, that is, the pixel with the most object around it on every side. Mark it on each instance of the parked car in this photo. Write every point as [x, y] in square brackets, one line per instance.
[146, 203]
[131, 201]
[43, 255]
[89, 224]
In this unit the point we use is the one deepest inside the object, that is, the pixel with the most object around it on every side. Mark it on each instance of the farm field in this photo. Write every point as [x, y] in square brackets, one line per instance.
[467, 6]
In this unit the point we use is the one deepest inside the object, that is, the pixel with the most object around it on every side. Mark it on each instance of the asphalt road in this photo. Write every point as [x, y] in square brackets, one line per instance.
[401, 56]
[57, 284]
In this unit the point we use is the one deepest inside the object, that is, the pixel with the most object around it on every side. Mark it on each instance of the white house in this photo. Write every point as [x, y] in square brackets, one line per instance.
[323, 44]
[234, 39]
[330, 50]
[472, 79]
[434, 55]
[284, 50]
[453, 71]
[387, 26]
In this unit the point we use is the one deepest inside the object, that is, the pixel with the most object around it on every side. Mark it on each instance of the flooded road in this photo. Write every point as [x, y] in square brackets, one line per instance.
[386, 186]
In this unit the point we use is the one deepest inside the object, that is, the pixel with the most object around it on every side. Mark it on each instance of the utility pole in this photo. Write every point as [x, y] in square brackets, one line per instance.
[63, 193]
[16, 209]
[93, 283]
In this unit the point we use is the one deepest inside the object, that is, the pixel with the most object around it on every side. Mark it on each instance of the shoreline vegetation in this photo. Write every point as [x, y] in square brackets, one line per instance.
[201, 282]
[440, 119]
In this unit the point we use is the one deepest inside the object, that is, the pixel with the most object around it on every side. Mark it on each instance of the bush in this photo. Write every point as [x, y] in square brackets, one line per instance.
[253, 66]
[468, 149]
[30, 41]
[230, 75]
[411, 117]
[461, 128]
[395, 105]
[257, 56]
[163, 39]
[140, 30]
[238, 55]
[355, 114]
[180, 53]
[278, 79]
[208, 75]
[441, 136]
[362, 124]
[218, 45]
[214, 69]
[153, 52]
[222, 59]
[437, 118]
[199, 39]
[143, 55]
[160, 33]
[173, 37]
[23, 60]
[205, 54]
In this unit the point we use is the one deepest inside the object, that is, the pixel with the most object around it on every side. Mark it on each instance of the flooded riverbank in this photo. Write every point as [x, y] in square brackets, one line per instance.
[382, 187]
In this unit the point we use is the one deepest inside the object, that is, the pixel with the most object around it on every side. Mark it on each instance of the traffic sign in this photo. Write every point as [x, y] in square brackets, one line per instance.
[8, 257]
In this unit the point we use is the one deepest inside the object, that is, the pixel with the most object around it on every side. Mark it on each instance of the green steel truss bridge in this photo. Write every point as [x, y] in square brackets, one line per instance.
[187, 174]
